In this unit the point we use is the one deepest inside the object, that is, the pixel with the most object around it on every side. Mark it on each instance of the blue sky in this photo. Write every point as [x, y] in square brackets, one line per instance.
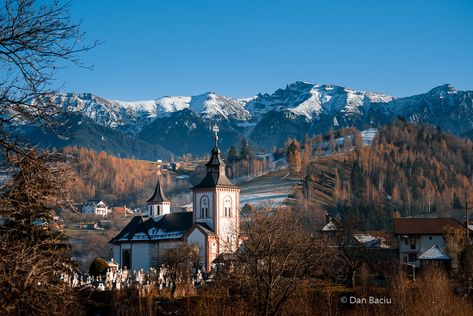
[240, 48]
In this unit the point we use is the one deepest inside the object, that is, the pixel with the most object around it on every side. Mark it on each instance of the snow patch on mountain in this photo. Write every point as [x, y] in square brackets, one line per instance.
[210, 105]
[310, 100]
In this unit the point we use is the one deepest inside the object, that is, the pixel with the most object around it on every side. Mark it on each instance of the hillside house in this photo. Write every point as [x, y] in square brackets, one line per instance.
[95, 207]
[377, 249]
[122, 211]
[423, 239]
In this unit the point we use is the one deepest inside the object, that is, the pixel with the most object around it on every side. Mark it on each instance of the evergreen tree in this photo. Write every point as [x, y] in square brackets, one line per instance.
[245, 150]
[232, 156]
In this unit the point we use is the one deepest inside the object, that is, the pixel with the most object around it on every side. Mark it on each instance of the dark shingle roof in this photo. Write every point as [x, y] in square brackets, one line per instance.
[130, 227]
[173, 222]
[158, 195]
[206, 229]
[181, 221]
[424, 226]
[214, 179]
[215, 173]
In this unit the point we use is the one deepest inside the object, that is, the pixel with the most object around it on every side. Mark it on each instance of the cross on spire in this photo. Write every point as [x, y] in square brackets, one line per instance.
[215, 130]
[158, 169]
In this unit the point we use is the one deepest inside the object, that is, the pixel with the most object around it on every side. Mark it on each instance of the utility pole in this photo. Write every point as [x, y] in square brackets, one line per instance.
[467, 248]
[467, 219]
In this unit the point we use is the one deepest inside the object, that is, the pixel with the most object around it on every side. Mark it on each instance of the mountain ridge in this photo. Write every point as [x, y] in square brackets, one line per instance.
[268, 119]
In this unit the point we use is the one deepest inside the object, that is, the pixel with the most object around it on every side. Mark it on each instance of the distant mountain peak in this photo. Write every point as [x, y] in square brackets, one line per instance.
[445, 88]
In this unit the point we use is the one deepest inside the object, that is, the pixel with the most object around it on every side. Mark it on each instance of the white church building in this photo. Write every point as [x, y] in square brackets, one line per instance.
[213, 225]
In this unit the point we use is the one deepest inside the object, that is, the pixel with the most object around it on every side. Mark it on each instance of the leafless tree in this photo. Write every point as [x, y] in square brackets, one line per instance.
[179, 262]
[277, 256]
[35, 38]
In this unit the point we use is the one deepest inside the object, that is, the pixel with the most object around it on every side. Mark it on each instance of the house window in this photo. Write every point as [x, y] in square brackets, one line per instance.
[404, 259]
[413, 243]
[412, 257]
[204, 206]
[227, 206]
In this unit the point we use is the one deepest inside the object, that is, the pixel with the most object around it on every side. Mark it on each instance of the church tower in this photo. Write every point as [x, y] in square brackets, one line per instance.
[216, 202]
[158, 204]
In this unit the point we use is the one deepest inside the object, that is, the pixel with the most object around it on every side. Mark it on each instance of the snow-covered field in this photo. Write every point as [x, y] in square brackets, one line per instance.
[271, 189]
[367, 135]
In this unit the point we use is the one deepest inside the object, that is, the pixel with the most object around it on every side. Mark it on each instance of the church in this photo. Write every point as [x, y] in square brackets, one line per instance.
[213, 225]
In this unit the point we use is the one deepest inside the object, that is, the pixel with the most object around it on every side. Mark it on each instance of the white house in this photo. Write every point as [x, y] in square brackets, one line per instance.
[213, 225]
[422, 239]
[95, 207]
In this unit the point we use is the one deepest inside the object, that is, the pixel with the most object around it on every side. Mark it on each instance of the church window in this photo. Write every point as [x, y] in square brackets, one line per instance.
[227, 206]
[204, 206]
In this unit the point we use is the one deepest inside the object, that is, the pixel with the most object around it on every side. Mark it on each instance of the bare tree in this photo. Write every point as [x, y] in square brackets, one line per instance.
[35, 37]
[179, 261]
[276, 257]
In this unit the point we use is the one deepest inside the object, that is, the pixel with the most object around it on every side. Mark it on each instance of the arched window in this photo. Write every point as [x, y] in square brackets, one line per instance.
[204, 206]
[227, 206]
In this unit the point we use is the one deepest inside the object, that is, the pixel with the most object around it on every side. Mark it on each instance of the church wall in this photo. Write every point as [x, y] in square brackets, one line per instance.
[166, 208]
[140, 256]
[227, 226]
[212, 252]
[199, 239]
[158, 251]
[116, 255]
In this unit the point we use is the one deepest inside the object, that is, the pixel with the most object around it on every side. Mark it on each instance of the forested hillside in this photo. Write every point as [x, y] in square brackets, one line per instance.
[409, 170]
[117, 181]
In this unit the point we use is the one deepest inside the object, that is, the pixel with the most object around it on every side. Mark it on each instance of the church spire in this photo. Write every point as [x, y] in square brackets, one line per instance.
[215, 167]
[158, 195]
[215, 130]
[215, 164]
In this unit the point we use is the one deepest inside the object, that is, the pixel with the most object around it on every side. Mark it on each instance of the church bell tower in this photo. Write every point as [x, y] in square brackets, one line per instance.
[216, 201]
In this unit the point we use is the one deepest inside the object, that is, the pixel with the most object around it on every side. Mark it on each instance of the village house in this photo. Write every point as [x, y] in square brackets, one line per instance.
[422, 240]
[95, 207]
[378, 244]
[212, 226]
[122, 211]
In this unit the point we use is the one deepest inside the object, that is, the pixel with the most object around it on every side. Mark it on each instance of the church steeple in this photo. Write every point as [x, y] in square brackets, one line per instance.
[158, 204]
[215, 164]
[158, 195]
[215, 168]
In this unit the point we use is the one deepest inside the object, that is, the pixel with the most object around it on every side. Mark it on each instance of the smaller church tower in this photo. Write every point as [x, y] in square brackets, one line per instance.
[158, 204]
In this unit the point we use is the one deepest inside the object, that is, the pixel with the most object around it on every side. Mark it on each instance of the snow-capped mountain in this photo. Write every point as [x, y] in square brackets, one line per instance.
[443, 106]
[134, 115]
[307, 100]
[128, 116]
[269, 119]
